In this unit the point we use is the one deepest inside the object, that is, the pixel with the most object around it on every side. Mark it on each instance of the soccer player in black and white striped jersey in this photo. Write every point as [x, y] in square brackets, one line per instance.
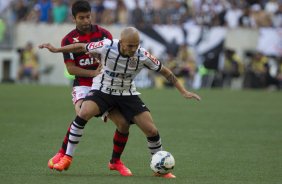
[122, 60]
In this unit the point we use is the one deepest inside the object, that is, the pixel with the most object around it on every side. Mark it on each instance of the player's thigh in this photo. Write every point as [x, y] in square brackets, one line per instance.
[145, 122]
[88, 110]
[119, 120]
[78, 94]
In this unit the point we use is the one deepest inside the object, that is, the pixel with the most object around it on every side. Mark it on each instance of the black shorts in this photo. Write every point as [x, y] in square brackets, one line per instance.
[129, 106]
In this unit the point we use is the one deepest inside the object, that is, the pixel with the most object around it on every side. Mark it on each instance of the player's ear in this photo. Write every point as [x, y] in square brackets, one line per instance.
[73, 19]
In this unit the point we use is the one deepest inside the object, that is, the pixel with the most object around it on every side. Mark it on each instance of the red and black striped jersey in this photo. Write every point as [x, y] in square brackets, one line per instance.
[81, 59]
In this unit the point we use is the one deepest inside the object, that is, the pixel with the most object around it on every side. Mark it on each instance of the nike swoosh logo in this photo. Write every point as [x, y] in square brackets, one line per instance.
[111, 58]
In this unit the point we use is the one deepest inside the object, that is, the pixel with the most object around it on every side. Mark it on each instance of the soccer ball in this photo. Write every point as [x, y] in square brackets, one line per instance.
[162, 162]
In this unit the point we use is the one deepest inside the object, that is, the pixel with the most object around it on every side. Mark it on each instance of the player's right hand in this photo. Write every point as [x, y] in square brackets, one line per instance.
[48, 46]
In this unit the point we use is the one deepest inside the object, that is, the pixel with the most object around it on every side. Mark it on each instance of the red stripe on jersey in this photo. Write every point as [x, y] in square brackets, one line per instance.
[82, 60]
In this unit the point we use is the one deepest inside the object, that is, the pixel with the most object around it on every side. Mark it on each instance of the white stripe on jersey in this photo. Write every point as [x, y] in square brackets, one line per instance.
[71, 56]
[119, 71]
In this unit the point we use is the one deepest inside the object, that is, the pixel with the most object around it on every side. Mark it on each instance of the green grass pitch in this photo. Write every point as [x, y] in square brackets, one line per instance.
[230, 137]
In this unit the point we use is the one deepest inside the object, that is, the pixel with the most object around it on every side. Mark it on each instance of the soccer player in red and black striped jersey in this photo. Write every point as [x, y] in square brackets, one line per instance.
[84, 68]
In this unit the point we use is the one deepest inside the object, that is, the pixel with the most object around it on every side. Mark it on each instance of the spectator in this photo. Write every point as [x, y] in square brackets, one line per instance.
[121, 13]
[271, 6]
[98, 9]
[172, 47]
[137, 18]
[21, 10]
[246, 20]
[44, 8]
[186, 65]
[261, 18]
[277, 17]
[108, 16]
[148, 14]
[59, 11]
[233, 67]
[232, 16]
[257, 71]
[175, 10]
[28, 64]
[272, 79]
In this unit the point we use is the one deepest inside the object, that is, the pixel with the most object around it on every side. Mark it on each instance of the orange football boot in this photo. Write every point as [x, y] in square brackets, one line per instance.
[55, 159]
[120, 167]
[167, 175]
[63, 164]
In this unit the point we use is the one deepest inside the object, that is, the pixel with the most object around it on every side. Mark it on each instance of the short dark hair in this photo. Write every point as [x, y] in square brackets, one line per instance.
[80, 6]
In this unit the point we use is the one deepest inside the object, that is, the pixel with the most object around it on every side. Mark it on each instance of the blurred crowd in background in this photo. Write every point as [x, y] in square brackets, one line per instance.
[254, 69]
[231, 13]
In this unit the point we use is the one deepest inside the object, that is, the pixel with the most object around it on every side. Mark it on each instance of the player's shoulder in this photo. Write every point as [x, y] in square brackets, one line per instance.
[143, 53]
[111, 43]
[103, 30]
[100, 28]
[146, 55]
[70, 37]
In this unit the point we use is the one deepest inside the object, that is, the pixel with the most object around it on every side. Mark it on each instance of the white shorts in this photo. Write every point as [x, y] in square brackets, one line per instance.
[79, 92]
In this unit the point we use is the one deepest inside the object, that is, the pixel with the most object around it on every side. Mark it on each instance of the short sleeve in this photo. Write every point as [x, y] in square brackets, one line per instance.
[151, 61]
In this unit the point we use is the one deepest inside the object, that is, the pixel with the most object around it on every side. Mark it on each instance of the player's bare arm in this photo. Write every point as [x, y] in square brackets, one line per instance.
[76, 47]
[77, 71]
[172, 79]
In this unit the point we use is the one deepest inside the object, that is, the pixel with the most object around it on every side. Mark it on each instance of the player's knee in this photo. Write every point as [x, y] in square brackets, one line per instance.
[151, 132]
[123, 128]
[85, 114]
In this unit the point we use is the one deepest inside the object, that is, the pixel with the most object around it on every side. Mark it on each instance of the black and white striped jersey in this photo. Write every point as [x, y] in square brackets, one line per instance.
[119, 71]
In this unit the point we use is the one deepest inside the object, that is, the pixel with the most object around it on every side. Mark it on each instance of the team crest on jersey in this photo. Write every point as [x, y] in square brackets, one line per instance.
[133, 61]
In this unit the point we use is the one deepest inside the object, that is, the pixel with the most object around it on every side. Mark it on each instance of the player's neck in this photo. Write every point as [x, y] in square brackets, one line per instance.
[84, 31]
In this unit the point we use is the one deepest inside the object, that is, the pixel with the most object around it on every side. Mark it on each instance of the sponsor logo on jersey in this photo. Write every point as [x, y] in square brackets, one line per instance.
[95, 45]
[119, 75]
[152, 58]
[115, 90]
[86, 61]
